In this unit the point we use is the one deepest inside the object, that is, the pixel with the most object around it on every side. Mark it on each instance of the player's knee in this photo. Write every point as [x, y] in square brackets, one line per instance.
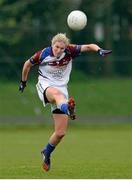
[60, 134]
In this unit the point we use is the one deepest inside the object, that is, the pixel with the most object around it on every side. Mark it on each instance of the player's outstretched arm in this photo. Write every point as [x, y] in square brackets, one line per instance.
[96, 48]
[26, 68]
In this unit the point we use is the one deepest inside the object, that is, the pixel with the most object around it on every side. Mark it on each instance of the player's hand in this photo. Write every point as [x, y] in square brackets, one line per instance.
[103, 52]
[22, 86]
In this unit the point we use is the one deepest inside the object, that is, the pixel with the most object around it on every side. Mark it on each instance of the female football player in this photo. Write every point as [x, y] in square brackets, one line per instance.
[54, 68]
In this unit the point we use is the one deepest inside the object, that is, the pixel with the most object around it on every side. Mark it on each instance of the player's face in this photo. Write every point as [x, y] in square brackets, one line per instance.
[58, 48]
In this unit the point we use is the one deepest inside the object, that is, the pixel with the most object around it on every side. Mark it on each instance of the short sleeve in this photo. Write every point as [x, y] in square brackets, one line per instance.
[75, 50]
[35, 59]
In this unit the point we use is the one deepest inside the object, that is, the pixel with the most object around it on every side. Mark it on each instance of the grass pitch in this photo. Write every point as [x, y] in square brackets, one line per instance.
[91, 151]
[108, 97]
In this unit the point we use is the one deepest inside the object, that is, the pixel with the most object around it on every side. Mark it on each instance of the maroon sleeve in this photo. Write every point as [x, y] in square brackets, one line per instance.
[35, 59]
[75, 50]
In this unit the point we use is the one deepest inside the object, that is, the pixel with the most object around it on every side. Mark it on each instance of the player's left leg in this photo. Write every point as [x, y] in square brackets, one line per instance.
[60, 123]
[59, 97]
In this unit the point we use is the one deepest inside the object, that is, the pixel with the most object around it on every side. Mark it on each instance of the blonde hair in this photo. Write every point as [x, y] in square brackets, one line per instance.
[60, 37]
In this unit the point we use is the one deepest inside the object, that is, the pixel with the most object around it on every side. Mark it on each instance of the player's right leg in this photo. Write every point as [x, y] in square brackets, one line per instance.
[55, 96]
[60, 124]
[60, 116]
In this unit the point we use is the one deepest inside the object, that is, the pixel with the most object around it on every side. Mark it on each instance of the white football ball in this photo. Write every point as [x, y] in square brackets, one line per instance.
[77, 20]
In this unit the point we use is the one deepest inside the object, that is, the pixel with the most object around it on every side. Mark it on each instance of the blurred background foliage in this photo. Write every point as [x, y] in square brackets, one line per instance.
[101, 86]
[27, 26]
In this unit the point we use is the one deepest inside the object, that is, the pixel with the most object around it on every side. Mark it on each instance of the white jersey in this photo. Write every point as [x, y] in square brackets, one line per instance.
[55, 71]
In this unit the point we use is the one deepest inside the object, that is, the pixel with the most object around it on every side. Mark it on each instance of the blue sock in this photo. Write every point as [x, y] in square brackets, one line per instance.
[49, 149]
[64, 108]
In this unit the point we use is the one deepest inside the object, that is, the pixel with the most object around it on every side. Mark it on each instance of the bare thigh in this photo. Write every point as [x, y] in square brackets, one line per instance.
[61, 123]
[54, 95]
